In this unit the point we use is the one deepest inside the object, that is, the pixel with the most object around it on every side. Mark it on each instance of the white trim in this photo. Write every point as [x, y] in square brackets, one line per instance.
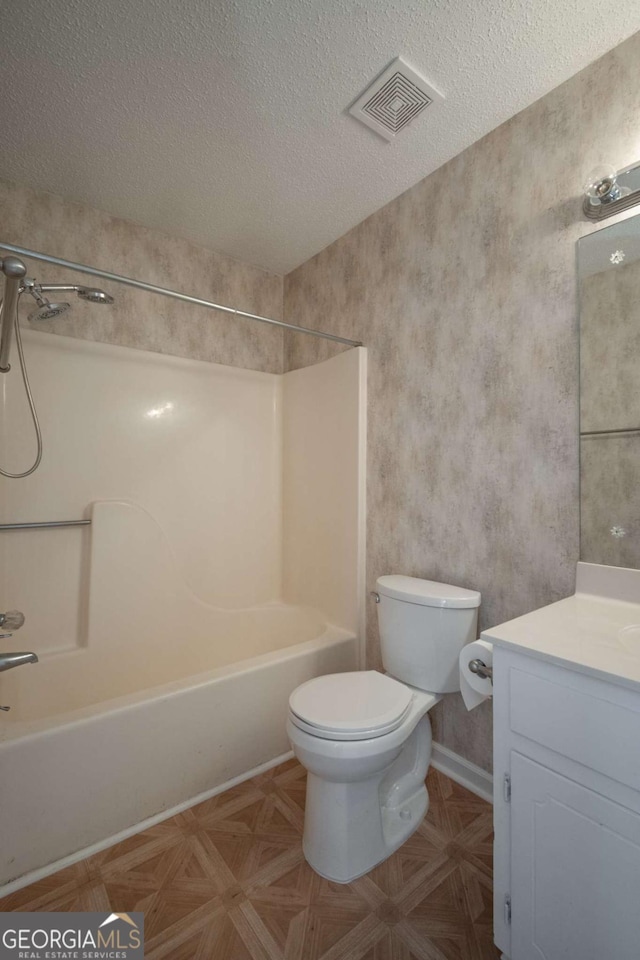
[89, 851]
[464, 772]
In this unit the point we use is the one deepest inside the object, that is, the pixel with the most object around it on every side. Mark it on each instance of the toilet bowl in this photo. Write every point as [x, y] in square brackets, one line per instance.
[365, 737]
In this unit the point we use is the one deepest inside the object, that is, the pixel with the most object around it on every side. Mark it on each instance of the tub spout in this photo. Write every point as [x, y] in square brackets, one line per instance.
[10, 660]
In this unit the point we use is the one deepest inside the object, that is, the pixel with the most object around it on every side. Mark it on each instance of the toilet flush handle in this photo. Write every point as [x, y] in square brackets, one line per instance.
[376, 596]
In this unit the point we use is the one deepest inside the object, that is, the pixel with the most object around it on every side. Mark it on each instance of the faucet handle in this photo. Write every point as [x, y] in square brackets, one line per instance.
[11, 620]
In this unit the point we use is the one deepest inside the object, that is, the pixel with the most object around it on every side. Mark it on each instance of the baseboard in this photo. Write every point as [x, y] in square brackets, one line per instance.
[89, 851]
[464, 772]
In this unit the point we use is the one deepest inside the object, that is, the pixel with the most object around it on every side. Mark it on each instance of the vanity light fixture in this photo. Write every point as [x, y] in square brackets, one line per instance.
[601, 186]
[609, 191]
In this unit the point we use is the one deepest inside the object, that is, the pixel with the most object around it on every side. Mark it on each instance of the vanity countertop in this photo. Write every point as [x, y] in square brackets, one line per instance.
[594, 634]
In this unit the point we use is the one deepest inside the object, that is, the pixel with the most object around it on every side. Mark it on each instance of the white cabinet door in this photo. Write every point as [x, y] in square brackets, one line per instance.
[575, 870]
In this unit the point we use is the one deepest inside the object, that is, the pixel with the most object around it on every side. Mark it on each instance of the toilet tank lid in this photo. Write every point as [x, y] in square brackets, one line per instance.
[427, 592]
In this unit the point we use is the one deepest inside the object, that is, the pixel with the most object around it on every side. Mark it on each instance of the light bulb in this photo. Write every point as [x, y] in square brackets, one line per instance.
[601, 186]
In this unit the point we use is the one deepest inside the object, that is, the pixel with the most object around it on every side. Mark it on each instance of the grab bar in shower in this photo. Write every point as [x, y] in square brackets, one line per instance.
[44, 523]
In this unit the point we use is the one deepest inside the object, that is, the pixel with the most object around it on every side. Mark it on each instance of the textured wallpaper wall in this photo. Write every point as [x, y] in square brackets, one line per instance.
[72, 231]
[463, 290]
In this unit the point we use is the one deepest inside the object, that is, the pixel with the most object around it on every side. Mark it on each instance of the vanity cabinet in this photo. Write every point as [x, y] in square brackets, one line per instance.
[567, 812]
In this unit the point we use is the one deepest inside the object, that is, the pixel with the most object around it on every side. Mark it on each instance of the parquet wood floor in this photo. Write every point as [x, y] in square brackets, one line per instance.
[226, 880]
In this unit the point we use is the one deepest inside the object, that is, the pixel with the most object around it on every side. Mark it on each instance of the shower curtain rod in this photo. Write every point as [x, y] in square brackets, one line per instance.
[165, 292]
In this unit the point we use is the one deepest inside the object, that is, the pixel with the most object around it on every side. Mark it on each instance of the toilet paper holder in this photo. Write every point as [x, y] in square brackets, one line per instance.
[481, 669]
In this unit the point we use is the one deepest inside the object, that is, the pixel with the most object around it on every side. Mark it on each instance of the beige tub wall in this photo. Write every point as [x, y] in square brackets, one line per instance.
[50, 224]
[196, 446]
[324, 454]
[463, 291]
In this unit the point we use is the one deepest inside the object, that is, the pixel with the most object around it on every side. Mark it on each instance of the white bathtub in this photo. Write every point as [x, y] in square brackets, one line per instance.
[71, 781]
[166, 654]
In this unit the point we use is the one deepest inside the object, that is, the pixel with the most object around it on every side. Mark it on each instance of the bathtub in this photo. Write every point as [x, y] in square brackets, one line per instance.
[76, 781]
[172, 627]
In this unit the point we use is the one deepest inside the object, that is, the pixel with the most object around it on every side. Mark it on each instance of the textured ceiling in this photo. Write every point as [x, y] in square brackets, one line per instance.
[225, 122]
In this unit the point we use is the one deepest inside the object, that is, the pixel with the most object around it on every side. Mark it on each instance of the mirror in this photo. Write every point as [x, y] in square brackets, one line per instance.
[609, 304]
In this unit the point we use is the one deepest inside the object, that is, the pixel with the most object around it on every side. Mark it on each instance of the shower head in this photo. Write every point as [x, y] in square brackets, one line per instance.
[93, 295]
[45, 309]
[48, 310]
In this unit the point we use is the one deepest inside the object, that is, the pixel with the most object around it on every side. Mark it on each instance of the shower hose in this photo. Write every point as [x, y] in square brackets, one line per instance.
[32, 406]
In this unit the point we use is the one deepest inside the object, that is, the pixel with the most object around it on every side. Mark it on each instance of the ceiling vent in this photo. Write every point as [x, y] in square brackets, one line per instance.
[392, 101]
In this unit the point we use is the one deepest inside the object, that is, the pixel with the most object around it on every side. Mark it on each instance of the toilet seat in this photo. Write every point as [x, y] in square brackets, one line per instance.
[350, 706]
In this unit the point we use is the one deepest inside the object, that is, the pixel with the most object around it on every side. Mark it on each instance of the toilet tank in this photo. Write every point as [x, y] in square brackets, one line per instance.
[423, 627]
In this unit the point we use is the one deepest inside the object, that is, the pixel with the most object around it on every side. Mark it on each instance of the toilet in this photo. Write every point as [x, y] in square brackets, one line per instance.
[365, 738]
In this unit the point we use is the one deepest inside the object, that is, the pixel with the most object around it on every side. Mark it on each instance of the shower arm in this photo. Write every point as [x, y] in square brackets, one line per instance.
[29, 285]
[51, 287]
[14, 271]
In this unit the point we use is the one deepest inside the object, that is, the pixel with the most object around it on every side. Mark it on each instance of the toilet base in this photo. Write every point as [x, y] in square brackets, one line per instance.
[399, 830]
[351, 827]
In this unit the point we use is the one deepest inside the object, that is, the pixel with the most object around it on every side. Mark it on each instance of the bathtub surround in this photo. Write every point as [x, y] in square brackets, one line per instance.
[165, 626]
[463, 290]
[49, 224]
[324, 408]
[182, 454]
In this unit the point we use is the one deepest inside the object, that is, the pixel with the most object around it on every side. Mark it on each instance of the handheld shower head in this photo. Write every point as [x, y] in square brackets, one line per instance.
[16, 284]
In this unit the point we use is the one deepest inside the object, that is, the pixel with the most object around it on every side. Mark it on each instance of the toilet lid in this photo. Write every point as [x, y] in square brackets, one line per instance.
[350, 706]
